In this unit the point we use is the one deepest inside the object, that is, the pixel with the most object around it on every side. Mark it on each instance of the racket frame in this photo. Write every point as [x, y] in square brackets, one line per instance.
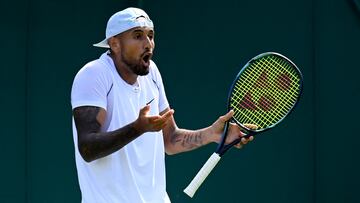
[222, 148]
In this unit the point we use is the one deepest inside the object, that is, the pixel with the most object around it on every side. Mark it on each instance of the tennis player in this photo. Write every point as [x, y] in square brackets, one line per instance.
[122, 121]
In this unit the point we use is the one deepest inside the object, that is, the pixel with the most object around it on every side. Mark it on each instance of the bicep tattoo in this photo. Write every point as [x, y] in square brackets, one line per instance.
[86, 119]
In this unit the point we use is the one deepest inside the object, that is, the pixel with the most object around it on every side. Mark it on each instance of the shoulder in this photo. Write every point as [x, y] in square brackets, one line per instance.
[154, 70]
[92, 70]
[153, 66]
[93, 67]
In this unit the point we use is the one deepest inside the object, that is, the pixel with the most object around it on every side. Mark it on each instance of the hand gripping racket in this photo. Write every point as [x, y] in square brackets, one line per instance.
[263, 93]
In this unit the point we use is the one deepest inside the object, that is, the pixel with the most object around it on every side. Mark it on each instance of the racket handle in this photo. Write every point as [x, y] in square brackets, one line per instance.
[202, 174]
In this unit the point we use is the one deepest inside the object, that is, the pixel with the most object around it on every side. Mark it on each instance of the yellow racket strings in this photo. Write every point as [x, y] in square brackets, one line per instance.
[265, 92]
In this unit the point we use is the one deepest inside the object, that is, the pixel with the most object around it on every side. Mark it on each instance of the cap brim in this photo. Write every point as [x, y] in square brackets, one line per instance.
[102, 44]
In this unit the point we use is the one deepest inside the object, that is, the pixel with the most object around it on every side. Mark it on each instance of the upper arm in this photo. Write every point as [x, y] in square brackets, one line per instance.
[88, 119]
[88, 123]
[89, 97]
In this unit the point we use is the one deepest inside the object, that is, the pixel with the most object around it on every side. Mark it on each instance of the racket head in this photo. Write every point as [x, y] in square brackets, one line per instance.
[265, 91]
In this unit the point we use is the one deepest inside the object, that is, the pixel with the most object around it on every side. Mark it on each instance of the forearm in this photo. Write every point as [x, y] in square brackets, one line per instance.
[93, 146]
[182, 140]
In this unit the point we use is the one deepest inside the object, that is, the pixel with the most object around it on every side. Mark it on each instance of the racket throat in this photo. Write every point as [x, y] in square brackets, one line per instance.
[219, 149]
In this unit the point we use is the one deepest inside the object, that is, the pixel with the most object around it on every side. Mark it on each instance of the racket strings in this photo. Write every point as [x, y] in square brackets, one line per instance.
[288, 97]
[254, 117]
[265, 92]
[271, 90]
[268, 116]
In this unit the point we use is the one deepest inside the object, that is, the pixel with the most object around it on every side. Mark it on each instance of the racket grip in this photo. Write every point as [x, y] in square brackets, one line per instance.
[202, 174]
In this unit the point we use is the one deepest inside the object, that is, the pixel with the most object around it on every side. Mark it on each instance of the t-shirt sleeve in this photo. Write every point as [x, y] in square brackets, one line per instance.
[163, 102]
[90, 87]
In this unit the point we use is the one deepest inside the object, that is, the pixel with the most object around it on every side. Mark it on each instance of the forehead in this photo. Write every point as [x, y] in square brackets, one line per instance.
[140, 29]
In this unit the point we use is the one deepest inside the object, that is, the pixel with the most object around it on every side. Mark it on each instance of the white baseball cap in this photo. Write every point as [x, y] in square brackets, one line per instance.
[122, 21]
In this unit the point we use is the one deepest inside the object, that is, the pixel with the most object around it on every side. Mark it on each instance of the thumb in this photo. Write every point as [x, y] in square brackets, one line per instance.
[145, 110]
[228, 116]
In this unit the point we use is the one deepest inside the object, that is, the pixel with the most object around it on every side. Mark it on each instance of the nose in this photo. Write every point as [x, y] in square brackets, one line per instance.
[148, 44]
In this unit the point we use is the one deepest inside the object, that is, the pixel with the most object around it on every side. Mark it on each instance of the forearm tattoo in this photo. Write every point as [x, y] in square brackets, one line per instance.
[93, 143]
[187, 139]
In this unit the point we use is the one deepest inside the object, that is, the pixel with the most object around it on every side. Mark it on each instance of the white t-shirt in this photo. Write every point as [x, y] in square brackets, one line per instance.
[135, 173]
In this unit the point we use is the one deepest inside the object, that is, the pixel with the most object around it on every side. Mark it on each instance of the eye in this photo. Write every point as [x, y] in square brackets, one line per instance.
[151, 36]
[138, 35]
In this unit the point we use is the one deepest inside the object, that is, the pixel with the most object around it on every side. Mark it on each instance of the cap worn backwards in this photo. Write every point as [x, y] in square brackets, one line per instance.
[122, 21]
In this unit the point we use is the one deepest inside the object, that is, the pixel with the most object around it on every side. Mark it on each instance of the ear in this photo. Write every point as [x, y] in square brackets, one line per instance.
[114, 44]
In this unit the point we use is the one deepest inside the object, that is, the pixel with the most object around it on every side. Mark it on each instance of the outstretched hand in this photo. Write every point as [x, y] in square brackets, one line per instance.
[145, 123]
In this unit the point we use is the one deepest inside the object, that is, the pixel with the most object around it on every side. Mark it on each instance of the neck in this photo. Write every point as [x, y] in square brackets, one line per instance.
[123, 70]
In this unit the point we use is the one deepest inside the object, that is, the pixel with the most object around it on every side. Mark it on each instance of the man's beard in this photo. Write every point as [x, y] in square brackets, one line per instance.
[136, 68]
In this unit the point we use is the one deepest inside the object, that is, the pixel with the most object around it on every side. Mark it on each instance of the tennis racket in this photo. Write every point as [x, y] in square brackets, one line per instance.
[263, 93]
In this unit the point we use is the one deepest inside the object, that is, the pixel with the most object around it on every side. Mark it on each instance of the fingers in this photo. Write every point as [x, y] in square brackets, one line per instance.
[152, 123]
[166, 115]
[145, 110]
[239, 145]
[244, 141]
[251, 126]
[158, 126]
[159, 122]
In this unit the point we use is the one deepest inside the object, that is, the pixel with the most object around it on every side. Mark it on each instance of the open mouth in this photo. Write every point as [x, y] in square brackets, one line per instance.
[146, 58]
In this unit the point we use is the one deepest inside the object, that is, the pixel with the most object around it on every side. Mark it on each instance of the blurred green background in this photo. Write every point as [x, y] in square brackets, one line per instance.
[200, 46]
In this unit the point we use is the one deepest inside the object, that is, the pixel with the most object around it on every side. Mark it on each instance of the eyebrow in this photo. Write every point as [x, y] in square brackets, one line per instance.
[140, 30]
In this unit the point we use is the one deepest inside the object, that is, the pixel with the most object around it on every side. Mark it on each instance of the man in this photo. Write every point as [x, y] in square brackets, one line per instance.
[122, 122]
